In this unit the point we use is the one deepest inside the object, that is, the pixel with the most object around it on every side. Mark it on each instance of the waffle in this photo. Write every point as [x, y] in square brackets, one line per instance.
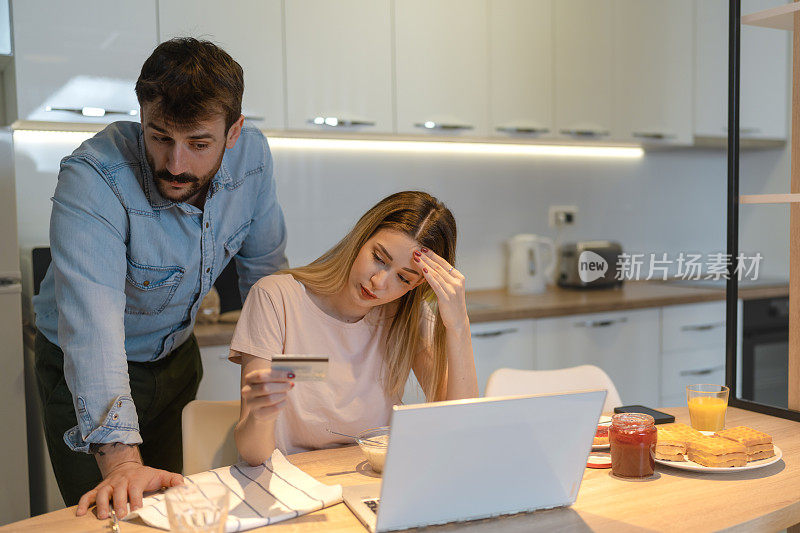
[670, 446]
[679, 431]
[666, 454]
[717, 452]
[758, 444]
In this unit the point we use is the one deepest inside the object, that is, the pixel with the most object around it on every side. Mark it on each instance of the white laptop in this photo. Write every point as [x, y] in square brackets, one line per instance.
[469, 459]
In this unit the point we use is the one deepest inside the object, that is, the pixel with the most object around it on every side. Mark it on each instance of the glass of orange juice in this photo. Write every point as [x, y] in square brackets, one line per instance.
[707, 405]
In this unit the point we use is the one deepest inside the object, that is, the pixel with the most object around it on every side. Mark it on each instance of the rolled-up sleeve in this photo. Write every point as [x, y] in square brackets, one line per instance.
[88, 229]
[263, 251]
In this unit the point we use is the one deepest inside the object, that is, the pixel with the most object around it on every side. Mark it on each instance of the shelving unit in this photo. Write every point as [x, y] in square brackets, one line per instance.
[787, 18]
[779, 18]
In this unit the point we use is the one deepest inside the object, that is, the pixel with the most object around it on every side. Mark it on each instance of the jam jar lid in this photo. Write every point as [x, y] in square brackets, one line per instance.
[632, 420]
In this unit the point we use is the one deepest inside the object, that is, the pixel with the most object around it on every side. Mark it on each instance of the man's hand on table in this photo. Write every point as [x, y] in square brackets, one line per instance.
[125, 479]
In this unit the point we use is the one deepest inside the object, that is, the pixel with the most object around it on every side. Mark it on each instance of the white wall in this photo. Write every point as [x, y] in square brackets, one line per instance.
[667, 201]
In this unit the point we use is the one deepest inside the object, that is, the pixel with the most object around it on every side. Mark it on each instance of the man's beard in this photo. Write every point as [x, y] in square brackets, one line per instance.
[163, 178]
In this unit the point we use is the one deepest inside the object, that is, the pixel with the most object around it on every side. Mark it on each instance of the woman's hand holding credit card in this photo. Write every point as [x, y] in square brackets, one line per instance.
[264, 392]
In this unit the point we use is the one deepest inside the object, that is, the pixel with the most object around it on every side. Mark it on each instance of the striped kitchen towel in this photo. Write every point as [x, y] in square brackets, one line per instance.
[260, 495]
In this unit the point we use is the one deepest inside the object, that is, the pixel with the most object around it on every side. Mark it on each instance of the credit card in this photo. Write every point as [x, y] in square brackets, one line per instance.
[305, 367]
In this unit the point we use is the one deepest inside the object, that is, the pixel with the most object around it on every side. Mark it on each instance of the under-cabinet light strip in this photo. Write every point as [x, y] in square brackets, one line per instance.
[440, 147]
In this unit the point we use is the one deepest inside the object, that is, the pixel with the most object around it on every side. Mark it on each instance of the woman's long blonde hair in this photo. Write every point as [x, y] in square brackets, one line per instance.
[426, 220]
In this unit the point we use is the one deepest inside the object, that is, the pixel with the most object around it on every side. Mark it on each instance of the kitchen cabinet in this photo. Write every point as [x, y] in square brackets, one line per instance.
[221, 378]
[251, 31]
[7, 91]
[653, 48]
[441, 67]
[503, 344]
[341, 81]
[5, 28]
[6, 80]
[764, 74]
[693, 326]
[521, 63]
[78, 61]
[692, 349]
[500, 344]
[583, 48]
[624, 344]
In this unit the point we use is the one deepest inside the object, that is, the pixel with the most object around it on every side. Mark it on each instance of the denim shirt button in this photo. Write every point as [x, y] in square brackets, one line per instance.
[208, 270]
[145, 283]
[116, 416]
[119, 403]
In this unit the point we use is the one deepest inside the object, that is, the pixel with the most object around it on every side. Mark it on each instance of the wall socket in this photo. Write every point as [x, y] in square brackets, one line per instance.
[562, 215]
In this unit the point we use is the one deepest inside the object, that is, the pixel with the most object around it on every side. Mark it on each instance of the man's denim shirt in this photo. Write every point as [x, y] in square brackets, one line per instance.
[130, 268]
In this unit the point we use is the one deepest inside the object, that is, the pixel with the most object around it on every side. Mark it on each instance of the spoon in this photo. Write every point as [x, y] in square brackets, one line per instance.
[374, 442]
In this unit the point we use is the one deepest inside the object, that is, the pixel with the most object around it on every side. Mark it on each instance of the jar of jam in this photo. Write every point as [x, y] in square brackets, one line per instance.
[633, 445]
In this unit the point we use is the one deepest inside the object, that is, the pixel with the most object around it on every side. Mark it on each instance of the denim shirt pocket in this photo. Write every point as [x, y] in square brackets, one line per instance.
[149, 289]
[235, 241]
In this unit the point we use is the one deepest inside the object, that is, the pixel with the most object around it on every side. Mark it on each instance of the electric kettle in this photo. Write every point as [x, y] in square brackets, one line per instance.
[531, 263]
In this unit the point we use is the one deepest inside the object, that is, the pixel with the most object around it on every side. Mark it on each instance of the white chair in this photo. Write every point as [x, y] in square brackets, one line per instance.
[208, 435]
[512, 382]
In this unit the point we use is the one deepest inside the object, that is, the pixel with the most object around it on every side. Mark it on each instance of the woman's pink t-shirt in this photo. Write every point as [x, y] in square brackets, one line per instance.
[278, 317]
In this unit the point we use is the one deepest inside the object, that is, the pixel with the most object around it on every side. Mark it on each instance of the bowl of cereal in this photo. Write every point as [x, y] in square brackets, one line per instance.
[374, 442]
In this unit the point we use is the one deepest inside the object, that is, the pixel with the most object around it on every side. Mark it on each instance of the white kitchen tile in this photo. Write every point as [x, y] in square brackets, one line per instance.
[665, 202]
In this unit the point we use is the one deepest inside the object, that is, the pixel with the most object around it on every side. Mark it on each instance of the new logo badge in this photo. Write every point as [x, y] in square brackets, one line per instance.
[591, 266]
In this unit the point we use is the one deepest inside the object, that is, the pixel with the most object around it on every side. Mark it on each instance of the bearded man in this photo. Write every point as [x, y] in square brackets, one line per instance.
[145, 217]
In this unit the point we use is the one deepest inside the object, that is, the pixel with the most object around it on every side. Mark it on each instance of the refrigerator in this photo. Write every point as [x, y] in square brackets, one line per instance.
[14, 492]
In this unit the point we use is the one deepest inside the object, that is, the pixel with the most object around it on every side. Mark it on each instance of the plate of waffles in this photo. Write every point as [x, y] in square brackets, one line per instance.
[731, 450]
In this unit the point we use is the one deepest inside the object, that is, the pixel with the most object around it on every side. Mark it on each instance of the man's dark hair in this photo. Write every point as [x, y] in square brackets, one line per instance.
[189, 80]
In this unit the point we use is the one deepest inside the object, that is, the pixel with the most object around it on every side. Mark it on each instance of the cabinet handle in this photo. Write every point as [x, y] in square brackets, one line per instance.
[495, 333]
[585, 133]
[522, 130]
[653, 135]
[745, 131]
[600, 323]
[749, 131]
[703, 327]
[702, 372]
[92, 111]
[336, 122]
[431, 125]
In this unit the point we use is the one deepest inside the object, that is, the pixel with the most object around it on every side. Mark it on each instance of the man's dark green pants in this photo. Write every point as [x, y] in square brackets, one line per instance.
[160, 390]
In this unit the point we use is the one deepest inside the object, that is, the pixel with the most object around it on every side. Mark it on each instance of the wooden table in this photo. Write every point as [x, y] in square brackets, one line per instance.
[766, 499]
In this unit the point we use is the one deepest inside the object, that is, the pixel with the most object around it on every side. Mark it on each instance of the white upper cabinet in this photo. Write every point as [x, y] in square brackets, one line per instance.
[78, 61]
[251, 32]
[442, 68]
[764, 74]
[583, 46]
[521, 63]
[5, 28]
[653, 47]
[339, 65]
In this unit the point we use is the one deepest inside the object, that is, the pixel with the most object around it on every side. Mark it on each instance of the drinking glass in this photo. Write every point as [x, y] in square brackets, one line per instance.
[197, 507]
[707, 406]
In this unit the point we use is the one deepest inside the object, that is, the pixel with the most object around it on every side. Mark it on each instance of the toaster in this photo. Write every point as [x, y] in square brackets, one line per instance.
[589, 264]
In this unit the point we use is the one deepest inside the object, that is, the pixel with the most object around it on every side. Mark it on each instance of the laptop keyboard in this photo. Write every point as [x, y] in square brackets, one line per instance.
[372, 504]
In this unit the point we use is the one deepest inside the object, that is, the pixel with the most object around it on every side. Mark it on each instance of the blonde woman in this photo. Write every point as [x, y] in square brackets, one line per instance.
[385, 301]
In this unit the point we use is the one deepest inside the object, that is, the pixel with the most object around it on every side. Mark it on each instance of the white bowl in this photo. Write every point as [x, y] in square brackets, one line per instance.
[375, 453]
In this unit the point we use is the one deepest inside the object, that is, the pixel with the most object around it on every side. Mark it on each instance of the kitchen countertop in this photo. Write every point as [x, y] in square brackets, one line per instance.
[496, 304]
